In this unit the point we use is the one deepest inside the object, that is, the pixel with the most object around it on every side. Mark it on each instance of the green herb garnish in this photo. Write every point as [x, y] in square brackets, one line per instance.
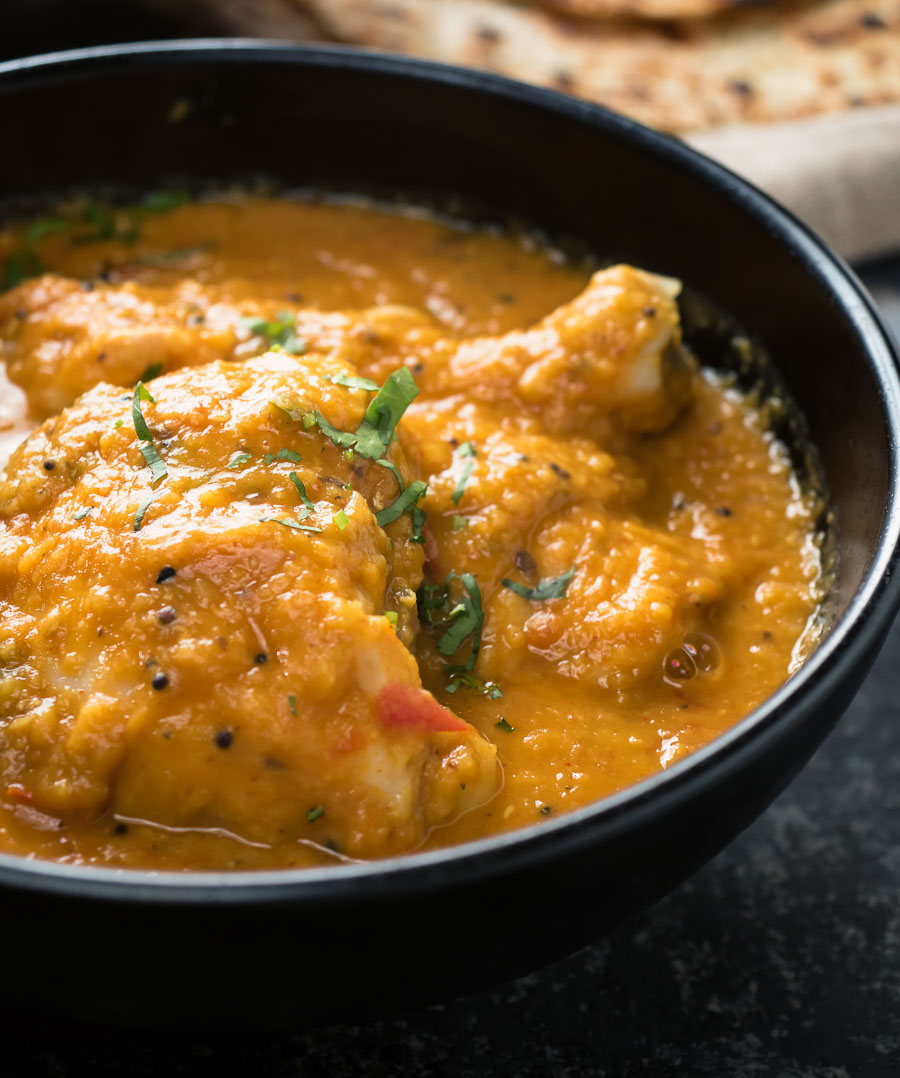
[20, 265]
[504, 725]
[155, 462]
[301, 490]
[105, 225]
[290, 522]
[238, 459]
[552, 588]
[44, 226]
[393, 469]
[139, 515]
[157, 465]
[292, 703]
[279, 332]
[391, 615]
[462, 679]
[467, 453]
[343, 439]
[153, 371]
[141, 393]
[406, 500]
[164, 201]
[118, 423]
[352, 382]
[464, 619]
[315, 813]
[82, 513]
[418, 523]
[25, 263]
[283, 454]
[459, 523]
[376, 432]
[340, 519]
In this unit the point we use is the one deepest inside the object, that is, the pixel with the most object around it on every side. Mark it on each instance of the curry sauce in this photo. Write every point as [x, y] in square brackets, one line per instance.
[347, 532]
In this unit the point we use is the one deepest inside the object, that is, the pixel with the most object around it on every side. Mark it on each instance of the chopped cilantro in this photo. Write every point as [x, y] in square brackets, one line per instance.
[343, 439]
[391, 615]
[462, 679]
[393, 469]
[118, 423]
[418, 522]
[282, 454]
[139, 515]
[238, 459]
[417, 514]
[459, 523]
[466, 453]
[153, 371]
[315, 813]
[163, 201]
[44, 226]
[354, 383]
[340, 519]
[279, 332]
[155, 462]
[82, 513]
[301, 490]
[290, 522]
[463, 620]
[105, 225]
[504, 725]
[157, 465]
[292, 703]
[402, 503]
[376, 432]
[98, 215]
[552, 588]
[21, 265]
[141, 393]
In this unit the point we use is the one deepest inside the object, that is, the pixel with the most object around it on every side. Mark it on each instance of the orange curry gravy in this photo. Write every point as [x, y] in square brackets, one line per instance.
[210, 652]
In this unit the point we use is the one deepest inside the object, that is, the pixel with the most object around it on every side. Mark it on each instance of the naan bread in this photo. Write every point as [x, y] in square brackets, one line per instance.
[649, 9]
[760, 65]
[757, 62]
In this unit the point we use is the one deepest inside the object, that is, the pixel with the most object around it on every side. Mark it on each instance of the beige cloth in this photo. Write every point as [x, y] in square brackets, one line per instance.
[839, 173]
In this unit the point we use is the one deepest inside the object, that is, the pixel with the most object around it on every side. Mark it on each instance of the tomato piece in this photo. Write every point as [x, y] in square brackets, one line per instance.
[404, 707]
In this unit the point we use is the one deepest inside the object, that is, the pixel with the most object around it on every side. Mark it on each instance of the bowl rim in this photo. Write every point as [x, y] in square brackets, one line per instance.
[857, 632]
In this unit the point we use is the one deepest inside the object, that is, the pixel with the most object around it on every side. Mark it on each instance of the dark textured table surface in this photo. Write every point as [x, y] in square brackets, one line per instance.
[780, 959]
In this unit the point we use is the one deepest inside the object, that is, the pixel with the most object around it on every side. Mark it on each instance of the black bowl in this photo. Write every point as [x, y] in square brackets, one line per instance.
[350, 941]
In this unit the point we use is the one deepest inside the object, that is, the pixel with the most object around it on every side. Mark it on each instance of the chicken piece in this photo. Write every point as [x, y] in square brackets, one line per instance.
[60, 337]
[633, 595]
[517, 505]
[214, 652]
[614, 353]
[491, 483]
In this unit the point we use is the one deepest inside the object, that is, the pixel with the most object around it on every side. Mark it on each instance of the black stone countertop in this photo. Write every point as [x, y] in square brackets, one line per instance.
[780, 959]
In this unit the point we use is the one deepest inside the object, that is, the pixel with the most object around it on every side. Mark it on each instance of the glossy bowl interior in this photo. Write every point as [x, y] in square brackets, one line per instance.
[349, 941]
